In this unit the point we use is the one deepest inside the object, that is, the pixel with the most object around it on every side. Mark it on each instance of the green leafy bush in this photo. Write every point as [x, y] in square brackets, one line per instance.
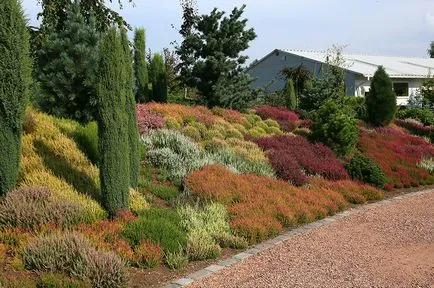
[423, 115]
[73, 254]
[358, 105]
[381, 100]
[366, 170]
[87, 140]
[335, 127]
[160, 226]
[201, 246]
[31, 208]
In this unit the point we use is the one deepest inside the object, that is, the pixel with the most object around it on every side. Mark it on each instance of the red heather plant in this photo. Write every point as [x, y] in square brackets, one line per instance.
[259, 207]
[398, 155]
[288, 120]
[293, 157]
[148, 254]
[230, 115]
[278, 114]
[148, 120]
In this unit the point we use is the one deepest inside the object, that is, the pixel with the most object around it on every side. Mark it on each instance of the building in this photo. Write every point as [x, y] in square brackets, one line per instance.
[407, 74]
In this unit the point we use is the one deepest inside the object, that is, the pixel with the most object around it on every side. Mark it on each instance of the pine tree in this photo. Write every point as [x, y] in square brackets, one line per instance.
[211, 47]
[67, 65]
[290, 98]
[140, 65]
[381, 100]
[431, 50]
[133, 130]
[158, 79]
[15, 70]
[113, 123]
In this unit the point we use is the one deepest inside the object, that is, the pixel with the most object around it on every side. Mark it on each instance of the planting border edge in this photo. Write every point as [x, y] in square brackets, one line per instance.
[289, 234]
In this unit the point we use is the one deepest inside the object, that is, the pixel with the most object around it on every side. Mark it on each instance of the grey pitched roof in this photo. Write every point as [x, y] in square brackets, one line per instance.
[396, 67]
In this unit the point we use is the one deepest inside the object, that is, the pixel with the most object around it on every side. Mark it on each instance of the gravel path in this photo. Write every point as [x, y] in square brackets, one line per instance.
[388, 246]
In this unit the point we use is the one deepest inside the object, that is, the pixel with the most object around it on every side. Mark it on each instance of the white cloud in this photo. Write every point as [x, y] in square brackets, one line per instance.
[429, 20]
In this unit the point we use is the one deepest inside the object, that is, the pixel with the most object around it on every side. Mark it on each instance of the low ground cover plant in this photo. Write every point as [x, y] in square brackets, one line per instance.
[417, 128]
[397, 153]
[32, 208]
[294, 158]
[288, 120]
[259, 207]
[73, 254]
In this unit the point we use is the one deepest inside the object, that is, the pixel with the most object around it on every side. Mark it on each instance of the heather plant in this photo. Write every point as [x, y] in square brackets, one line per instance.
[397, 153]
[148, 254]
[15, 67]
[87, 139]
[51, 159]
[173, 153]
[73, 254]
[417, 128]
[31, 208]
[148, 120]
[293, 158]
[260, 207]
[364, 169]
[336, 127]
[427, 163]
[381, 100]
[161, 226]
[176, 260]
[206, 228]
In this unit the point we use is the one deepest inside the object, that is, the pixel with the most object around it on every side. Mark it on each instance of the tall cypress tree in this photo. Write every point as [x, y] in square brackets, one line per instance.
[290, 98]
[381, 100]
[130, 110]
[113, 123]
[158, 78]
[15, 71]
[140, 65]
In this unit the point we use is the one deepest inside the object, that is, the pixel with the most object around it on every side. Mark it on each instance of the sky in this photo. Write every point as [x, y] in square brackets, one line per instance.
[377, 27]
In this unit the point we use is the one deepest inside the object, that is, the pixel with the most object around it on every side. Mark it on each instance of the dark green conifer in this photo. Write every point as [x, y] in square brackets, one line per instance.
[140, 65]
[113, 123]
[290, 98]
[133, 130]
[381, 100]
[158, 78]
[15, 71]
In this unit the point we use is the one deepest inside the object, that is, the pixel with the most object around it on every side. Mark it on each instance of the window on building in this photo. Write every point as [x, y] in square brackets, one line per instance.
[401, 89]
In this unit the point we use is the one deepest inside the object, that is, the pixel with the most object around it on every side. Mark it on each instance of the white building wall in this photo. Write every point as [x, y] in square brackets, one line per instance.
[364, 85]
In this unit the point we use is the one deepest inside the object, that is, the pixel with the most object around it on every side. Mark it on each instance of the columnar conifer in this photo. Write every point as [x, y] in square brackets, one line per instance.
[113, 123]
[14, 79]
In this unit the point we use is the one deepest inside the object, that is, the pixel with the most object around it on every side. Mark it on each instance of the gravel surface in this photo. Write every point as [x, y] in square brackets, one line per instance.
[387, 246]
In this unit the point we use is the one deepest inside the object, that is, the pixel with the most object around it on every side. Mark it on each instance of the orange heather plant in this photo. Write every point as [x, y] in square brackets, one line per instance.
[261, 207]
